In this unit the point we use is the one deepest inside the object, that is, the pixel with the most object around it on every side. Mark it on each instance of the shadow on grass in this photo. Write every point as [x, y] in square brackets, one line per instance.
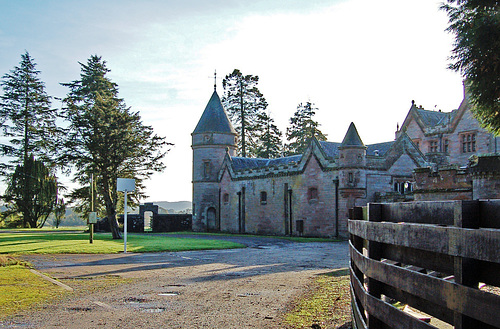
[336, 273]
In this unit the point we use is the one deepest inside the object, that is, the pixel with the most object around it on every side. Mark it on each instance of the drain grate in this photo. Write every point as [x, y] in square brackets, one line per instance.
[169, 293]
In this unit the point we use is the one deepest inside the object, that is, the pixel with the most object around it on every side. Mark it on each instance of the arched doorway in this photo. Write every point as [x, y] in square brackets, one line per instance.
[148, 221]
[211, 219]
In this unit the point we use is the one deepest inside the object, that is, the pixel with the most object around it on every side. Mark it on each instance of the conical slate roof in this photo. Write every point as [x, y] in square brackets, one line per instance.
[352, 138]
[214, 118]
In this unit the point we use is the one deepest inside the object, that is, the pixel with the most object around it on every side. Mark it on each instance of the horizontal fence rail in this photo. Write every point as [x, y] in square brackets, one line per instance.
[426, 265]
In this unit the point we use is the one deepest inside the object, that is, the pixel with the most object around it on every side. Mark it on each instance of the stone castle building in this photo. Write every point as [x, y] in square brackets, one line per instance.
[310, 194]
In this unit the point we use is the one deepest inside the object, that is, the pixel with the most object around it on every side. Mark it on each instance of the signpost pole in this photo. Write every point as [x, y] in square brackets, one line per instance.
[125, 224]
[91, 228]
[125, 185]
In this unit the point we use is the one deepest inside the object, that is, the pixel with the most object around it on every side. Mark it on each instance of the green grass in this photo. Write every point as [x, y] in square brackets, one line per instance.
[326, 303]
[35, 242]
[21, 289]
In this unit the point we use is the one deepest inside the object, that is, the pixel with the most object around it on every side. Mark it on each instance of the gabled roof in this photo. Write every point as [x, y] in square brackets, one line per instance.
[352, 138]
[240, 163]
[382, 148]
[214, 119]
[331, 149]
[434, 118]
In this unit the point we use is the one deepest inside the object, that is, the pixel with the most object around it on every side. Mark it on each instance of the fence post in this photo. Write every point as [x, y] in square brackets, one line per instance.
[375, 253]
[466, 215]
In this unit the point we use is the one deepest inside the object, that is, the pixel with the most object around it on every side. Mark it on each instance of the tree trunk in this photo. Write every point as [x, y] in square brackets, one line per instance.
[111, 213]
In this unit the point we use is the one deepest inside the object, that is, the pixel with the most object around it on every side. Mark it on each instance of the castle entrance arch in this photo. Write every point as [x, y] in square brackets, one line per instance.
[211, 219]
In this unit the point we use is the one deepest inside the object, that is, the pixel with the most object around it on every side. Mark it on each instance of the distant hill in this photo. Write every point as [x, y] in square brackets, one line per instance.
[175, 206]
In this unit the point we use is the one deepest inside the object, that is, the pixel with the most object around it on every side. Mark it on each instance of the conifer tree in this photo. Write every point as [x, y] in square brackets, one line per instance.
[244, 103]
[26, 114]
[476, 25]
[302, 128]
[28, 122]
[107, 139]
[40, 200]
[269, 136]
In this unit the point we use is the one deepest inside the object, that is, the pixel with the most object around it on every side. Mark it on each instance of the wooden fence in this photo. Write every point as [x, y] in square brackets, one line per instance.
[441, 259]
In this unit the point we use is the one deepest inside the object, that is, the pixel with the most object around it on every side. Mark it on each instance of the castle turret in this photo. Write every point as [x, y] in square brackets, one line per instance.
[352, 165]
[211, 139]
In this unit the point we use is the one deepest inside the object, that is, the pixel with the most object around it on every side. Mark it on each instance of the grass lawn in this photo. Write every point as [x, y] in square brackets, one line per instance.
[20, 289]
[33, 242]
[327, 303]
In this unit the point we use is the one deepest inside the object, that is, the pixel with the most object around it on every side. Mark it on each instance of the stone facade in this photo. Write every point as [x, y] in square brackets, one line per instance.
[307, 194]
[448, 138]
[310, 194]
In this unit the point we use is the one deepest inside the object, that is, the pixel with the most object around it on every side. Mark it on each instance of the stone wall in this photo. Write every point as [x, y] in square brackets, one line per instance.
[485, 172]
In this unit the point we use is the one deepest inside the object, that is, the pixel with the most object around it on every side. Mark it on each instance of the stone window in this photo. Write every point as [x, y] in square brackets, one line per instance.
[446, 146]
[312, 194]
[350, 178]
[433, 146]
[225, 198]
[263, 197]
[206, 168]
[468, 142]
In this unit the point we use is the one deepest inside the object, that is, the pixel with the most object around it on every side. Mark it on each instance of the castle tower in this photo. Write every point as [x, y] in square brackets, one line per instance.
[352, 168]
[211, 139]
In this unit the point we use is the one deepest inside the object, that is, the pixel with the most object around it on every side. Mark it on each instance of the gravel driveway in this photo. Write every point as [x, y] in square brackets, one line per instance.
[236, 288]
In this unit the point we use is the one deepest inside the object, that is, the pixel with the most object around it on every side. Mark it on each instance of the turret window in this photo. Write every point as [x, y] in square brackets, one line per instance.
[225, 198]
[263, 197]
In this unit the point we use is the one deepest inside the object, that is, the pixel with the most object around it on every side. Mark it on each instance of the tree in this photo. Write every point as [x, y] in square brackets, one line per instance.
[302, 128]
[106, 139]
[476, 54]
[244, 102]
[35, 206]
[269, 137]
[59, 212]
[29, 122]
[26, 114]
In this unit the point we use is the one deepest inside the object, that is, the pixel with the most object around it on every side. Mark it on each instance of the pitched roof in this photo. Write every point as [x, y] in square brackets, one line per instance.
[352, 138]
[331, 149]
[434, 118]
[214, 118]
[382, 148]
[240, 163]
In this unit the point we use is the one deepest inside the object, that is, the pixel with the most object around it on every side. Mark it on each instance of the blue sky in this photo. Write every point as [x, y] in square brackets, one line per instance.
[357, 60]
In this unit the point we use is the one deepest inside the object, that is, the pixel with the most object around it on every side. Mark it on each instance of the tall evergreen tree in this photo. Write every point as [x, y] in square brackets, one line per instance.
[35, 206]
[476, 54]
[107, 139]
[302, 128]
[270, 145]
[26, 114]
[244, 102]
[28, 121]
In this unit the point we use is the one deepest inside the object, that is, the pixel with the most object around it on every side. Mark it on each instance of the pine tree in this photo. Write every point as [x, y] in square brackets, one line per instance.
[270, 145]
[106, 139]
[35, 206]
[29, 124]
[26, 114]
[244, 102]
[476, 25]
[302, 128]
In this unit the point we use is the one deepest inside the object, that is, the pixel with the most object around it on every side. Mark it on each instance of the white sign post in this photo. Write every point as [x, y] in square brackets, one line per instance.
[125, 185]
